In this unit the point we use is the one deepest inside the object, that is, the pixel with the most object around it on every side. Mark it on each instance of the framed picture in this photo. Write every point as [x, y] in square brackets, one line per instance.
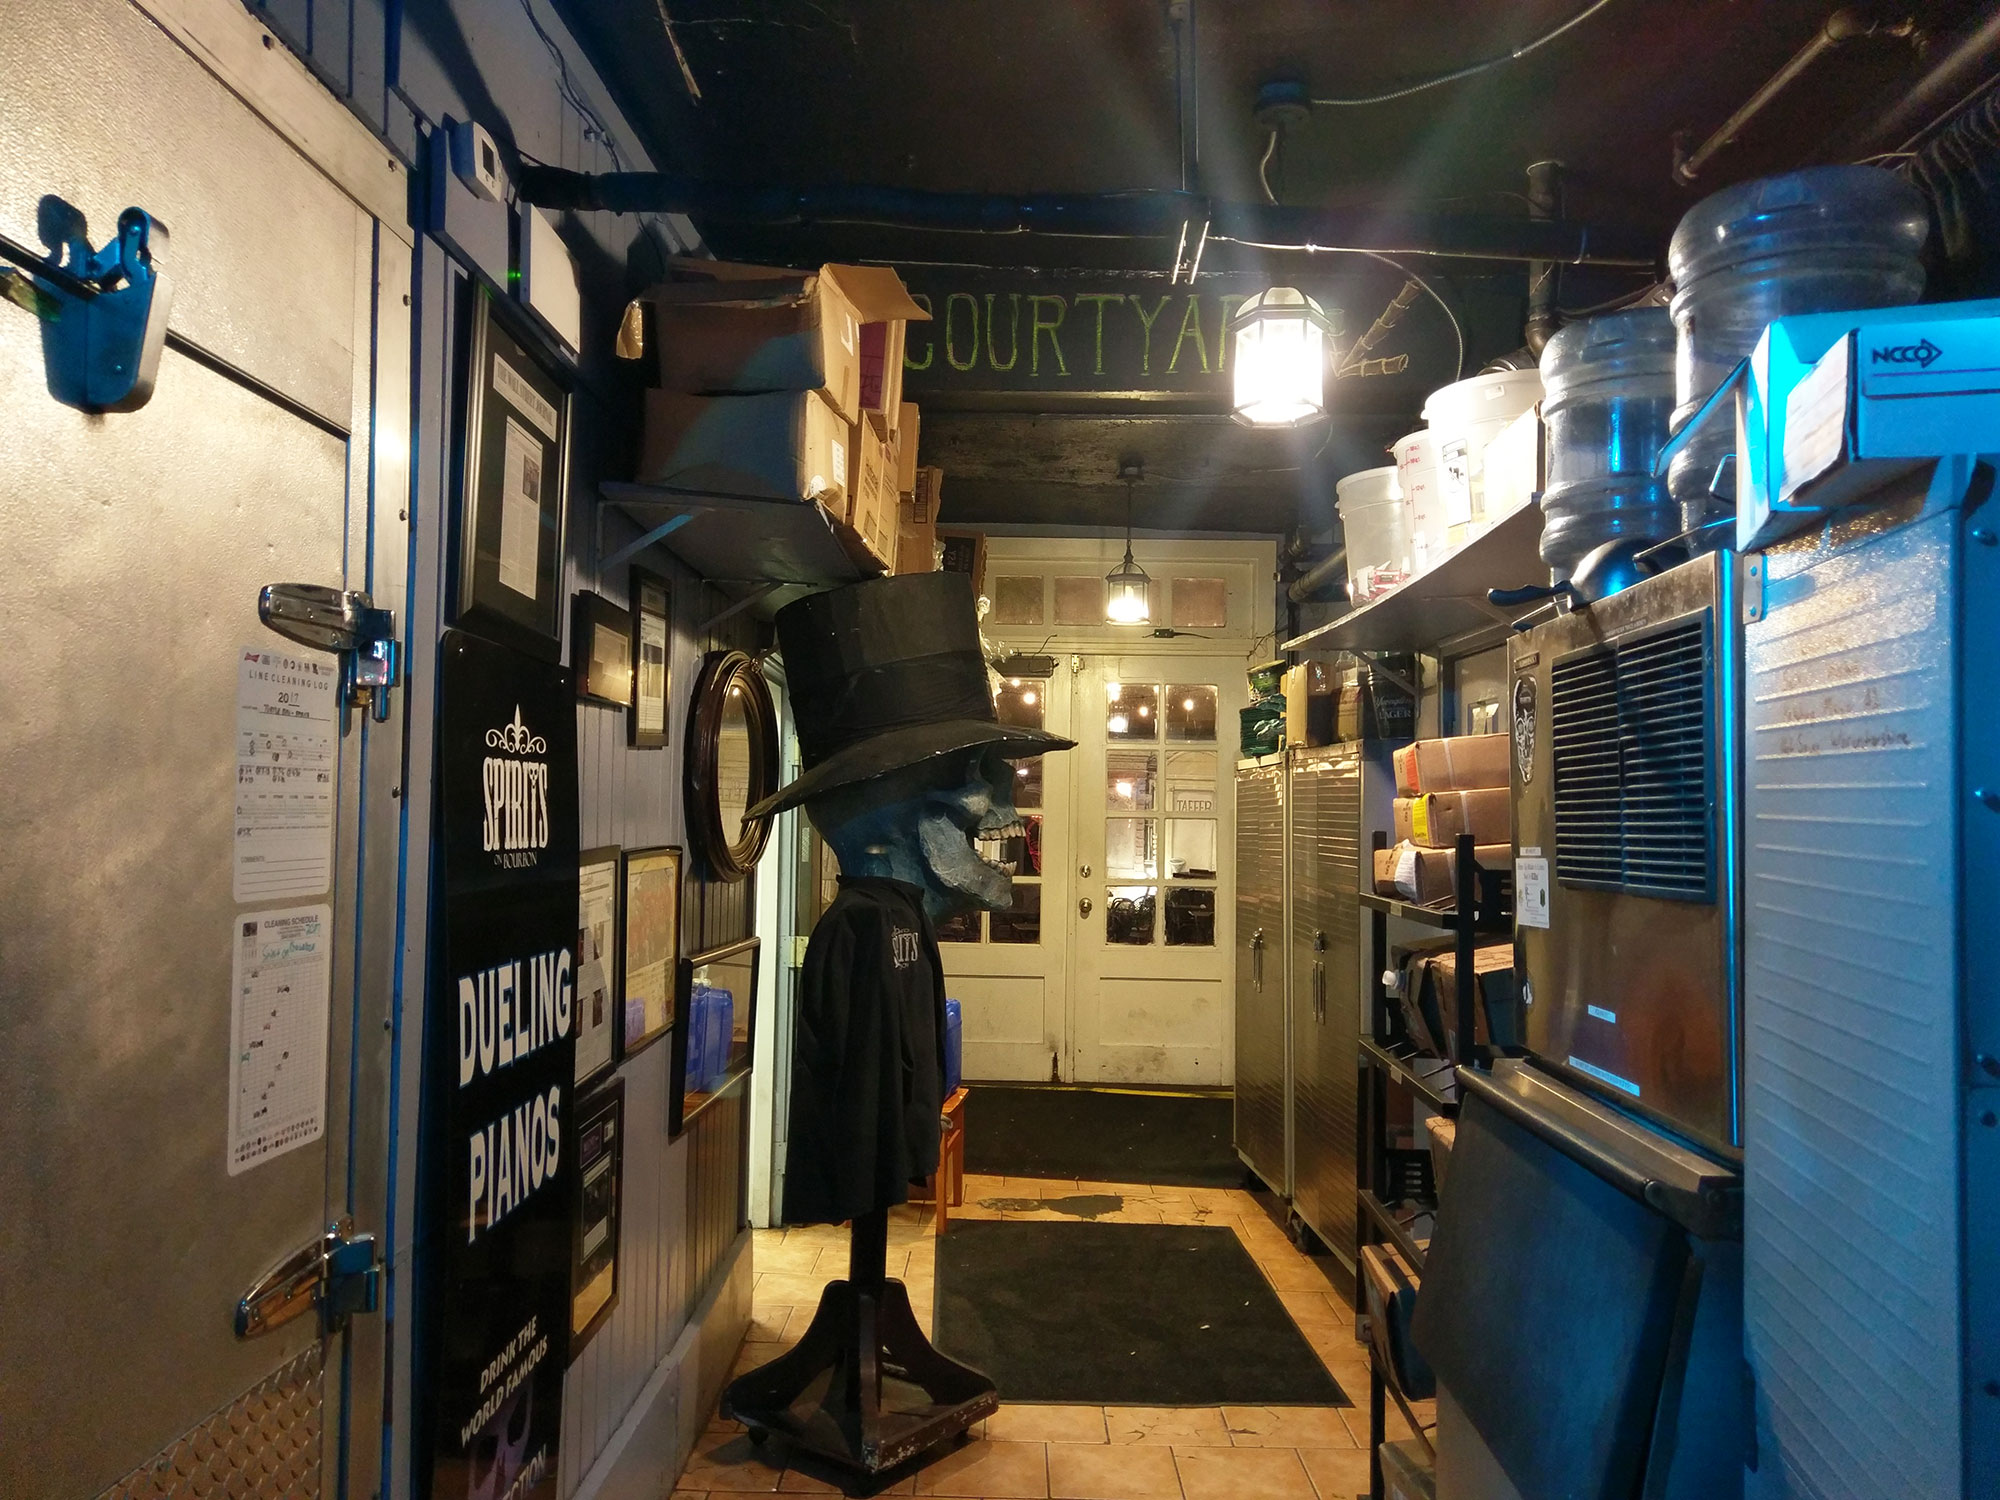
[652, 634]
[651, 948]
[600, 1185]
[600, 650]
[713, 1043]
[596, 963]
[513, 477]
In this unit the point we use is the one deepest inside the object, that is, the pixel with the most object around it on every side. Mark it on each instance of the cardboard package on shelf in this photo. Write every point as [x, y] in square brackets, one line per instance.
[908, 426]
[965, 552]
[871, 491]
[1374, 701]
[1309, 704]
[1435, 820]
[1426, 994]
[1426, 876]
[1464, 762]
[751, 330]
[916, 524]
[786, 446]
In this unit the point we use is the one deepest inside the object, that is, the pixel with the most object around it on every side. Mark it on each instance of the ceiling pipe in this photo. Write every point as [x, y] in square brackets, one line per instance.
[1329, 569]
[1140, 214]
[1960, 69]
[1545, 181]
[1844, 25]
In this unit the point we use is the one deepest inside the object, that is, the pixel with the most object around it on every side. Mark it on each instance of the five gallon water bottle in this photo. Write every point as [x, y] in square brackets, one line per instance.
[1609, 396]
[1828, 239]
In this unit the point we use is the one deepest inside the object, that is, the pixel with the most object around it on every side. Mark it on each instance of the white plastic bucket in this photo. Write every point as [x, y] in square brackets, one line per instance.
[1376, 526]
[1416, 475]
[1465, 416]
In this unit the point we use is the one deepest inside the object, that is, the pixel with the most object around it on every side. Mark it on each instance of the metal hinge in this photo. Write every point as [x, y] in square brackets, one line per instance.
[346, 622]
[1753, 588]
[337, 1273]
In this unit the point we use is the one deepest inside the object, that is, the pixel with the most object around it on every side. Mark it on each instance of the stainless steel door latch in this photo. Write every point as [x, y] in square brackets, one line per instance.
[347, 623]
[337, 1273]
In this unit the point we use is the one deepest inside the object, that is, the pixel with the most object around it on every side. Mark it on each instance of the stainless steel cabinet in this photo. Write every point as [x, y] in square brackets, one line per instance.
[1263, 1072]
[1323, 862]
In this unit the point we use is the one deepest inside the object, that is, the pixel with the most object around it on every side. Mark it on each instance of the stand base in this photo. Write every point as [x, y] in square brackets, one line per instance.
[863, 1389]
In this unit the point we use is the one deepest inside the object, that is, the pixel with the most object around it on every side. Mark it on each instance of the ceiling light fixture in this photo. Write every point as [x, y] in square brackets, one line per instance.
[1280, 353]
[1127, 589]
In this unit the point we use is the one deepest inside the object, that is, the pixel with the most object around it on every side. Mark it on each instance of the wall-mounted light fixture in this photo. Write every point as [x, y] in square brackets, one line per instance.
[1127, 589]
[1280, 340]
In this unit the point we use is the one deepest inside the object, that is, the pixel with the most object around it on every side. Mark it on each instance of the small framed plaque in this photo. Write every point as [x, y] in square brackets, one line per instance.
[652, 637]
[651, 949]
[600, 1164]
[597, 963]
[600, 648]
[513, 474]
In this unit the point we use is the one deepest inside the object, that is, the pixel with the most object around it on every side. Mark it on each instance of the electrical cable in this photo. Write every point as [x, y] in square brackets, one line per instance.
[1471, 69]
[566, 88]
[1264, 168]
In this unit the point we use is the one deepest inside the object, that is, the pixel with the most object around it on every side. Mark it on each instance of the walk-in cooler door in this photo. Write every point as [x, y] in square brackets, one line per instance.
[196, 947]
[1263, 1082]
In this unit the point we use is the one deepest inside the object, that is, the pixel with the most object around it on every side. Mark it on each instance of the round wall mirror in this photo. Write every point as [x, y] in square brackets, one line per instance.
[732, 763]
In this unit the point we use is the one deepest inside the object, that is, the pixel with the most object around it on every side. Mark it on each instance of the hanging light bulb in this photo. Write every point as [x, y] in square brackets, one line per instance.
[1127, 589]
[1280, 352]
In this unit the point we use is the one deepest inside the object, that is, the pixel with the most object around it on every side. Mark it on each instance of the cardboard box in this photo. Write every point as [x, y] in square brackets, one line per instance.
[787, 446]
[1374, 705]
[916, 539]
[756, 329]
[1430, 875]
[965, 552]
[1461, 763]
[1496, 1011]
[1434, 820]
[906, 449]
[1309, 704]
[871, 492]
[1515, 467]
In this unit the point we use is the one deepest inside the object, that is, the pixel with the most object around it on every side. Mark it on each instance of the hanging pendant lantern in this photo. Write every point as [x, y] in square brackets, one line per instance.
[1280, 338]
[1127, 589]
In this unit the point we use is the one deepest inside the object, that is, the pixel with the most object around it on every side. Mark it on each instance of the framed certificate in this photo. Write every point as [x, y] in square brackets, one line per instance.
[651, 948]
[600, 1187]
[513, 474]
[652, 638]
[596, 963]
[600, 651]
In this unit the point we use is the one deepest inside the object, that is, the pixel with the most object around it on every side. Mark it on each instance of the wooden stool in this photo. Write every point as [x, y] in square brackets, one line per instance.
[946, 1186]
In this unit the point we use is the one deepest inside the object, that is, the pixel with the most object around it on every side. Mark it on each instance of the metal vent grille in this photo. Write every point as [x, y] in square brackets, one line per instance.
[1633, 788]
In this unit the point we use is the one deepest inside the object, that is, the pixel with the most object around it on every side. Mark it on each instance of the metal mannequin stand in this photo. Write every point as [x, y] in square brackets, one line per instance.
[863, 1389]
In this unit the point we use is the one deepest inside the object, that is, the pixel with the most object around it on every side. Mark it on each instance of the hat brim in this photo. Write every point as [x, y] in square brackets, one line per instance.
[901, 748]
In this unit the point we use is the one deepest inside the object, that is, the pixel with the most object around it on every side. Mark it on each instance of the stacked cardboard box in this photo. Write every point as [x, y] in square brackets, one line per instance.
[779, 384]
[1446, 788]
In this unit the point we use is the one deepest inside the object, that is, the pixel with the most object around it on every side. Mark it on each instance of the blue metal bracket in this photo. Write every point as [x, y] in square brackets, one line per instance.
[105, 311]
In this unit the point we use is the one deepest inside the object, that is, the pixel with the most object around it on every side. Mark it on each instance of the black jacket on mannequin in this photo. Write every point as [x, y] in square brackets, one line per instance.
[867, 1056]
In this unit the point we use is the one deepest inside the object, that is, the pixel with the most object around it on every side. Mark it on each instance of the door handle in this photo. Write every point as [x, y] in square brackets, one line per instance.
[1319, 978]
[1257, 958]
[336, 1273]
[1083, 906]
[346, 622]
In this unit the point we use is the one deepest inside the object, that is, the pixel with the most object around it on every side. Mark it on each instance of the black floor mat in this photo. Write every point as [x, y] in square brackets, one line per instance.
[1101, 1135]
[1121, 1315]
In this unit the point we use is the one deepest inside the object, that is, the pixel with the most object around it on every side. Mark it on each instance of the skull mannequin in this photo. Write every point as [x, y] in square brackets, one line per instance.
[906, 773]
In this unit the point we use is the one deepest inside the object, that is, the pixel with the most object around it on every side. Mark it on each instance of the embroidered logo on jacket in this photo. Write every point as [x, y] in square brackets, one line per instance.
[904, 946]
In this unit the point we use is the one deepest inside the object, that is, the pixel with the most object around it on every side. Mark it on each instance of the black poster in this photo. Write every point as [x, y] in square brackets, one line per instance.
[502, 1119]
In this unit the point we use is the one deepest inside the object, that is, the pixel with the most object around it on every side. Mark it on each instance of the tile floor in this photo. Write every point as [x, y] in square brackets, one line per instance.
[1073, 1452]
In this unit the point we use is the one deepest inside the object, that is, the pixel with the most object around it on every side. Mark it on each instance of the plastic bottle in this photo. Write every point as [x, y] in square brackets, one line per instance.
[1827, 239]
[1610, 397]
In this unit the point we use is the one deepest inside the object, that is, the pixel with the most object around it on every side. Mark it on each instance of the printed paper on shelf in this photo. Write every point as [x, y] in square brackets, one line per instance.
[280, 972]
[287, 706]
[523, 397]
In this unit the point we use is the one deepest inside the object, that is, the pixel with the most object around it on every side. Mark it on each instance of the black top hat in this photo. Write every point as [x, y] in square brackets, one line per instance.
[886, 674]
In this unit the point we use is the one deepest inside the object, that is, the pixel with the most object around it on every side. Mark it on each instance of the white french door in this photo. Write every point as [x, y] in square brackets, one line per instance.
[1151, 921]
[1009, 970]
